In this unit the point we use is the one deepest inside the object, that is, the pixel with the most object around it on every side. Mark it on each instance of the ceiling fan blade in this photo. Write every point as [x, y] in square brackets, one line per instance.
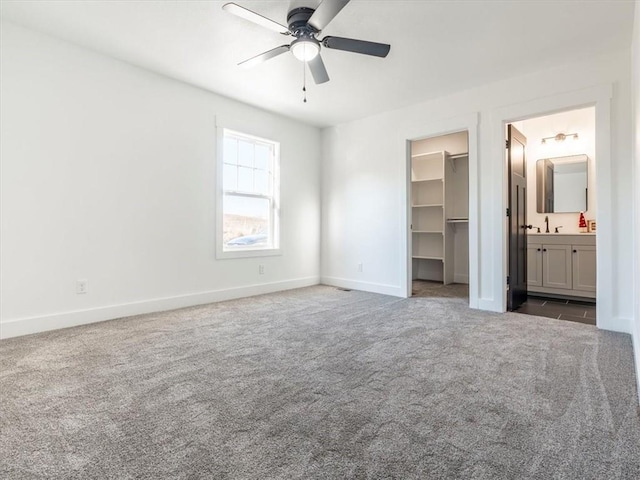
[254, 17]
[326, 12]
[263, 57]
[357, 46]
[318, 70]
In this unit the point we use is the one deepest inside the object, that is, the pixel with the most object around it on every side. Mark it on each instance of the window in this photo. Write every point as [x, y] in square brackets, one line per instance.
[249, 195]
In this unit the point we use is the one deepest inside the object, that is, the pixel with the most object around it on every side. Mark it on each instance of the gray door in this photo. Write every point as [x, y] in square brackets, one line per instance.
[517, 171]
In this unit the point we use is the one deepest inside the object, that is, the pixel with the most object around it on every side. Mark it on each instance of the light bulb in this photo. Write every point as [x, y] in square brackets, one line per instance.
[305, 50]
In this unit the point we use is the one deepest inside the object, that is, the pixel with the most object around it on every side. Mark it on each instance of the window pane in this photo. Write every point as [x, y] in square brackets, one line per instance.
[230, 150]
[263, 155]
[230, 177]
[245, 179]
[249, 169]
[245, 152]
[245, 223]
[262, 182]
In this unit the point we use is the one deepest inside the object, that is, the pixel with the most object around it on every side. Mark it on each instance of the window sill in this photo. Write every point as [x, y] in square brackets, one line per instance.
[248, 253]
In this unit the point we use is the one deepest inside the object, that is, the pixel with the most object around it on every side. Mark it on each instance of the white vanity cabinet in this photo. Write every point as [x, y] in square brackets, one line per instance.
[562, 264]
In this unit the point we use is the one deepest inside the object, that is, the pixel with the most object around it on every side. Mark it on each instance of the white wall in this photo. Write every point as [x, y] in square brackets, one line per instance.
[582, 122]
[108, 174]
[364, 185]
[635, 58]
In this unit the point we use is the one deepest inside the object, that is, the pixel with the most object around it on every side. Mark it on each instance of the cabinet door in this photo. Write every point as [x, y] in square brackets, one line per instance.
[534, 265]
[556, 266]
[584, 268]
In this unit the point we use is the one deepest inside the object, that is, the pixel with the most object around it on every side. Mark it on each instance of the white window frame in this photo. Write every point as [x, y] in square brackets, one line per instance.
[274, 198]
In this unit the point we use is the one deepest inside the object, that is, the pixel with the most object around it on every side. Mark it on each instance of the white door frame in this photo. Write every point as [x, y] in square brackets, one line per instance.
[437, 128]
[600, 98]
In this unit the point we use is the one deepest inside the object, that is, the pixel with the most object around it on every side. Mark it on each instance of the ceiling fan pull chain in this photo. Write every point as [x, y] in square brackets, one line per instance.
[304, 81]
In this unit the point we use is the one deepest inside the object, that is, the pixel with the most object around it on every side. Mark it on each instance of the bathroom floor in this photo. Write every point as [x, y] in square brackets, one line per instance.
[570, 310]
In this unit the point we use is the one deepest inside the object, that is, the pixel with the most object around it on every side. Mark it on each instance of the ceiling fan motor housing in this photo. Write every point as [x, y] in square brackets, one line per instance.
[305, 34]
[297, 20]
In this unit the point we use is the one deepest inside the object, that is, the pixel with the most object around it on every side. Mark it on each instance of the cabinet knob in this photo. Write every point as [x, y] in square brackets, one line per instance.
[539, 249]
[575, 251]
[544, 249]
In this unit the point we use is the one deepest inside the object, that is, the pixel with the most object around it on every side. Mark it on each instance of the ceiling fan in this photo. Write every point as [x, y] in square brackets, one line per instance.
[305, 24]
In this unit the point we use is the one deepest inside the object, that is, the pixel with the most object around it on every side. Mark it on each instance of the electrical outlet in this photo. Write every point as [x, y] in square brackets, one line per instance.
[261, 269]
[82, 286]
[360, 267]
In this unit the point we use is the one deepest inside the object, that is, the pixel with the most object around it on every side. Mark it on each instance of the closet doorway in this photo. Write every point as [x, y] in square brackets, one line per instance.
[439, 196]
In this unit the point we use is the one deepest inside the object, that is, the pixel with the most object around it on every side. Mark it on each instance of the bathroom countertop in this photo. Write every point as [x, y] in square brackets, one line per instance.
[562, 238]
[562, 233]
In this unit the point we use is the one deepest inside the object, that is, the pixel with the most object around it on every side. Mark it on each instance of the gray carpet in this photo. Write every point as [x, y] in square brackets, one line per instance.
[321, 383]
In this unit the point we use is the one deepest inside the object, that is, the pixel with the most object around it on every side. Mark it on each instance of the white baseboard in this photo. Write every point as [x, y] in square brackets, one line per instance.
[636, 353]
[490, 305]
[616, 324]
[393, 290]
[26, 326]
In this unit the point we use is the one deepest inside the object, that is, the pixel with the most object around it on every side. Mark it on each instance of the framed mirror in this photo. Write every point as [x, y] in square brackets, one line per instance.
[561, 184]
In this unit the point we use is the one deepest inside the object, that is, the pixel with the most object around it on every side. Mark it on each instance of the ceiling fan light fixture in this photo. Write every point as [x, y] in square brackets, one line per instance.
[305, 49]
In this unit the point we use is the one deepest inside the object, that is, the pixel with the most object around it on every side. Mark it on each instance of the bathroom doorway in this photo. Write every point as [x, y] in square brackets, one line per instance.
[560, 233]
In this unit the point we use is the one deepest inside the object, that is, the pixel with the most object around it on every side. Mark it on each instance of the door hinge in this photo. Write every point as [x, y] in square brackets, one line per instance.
[506, 144]
[508, 280]
[508, 212]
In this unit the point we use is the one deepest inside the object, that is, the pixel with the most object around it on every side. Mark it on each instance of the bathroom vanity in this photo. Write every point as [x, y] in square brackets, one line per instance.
[562, 264]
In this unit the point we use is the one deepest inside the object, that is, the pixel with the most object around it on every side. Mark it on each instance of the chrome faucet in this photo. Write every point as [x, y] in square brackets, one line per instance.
[546, 220]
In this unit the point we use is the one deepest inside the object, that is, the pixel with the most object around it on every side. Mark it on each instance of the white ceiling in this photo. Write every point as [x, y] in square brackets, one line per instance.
[437, 47]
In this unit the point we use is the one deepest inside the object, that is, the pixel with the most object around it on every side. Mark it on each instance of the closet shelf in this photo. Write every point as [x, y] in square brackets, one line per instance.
[428, 205]
[437, 154]
[439, 232]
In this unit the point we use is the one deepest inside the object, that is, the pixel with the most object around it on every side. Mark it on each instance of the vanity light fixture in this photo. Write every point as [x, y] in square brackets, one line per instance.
[560, 137]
